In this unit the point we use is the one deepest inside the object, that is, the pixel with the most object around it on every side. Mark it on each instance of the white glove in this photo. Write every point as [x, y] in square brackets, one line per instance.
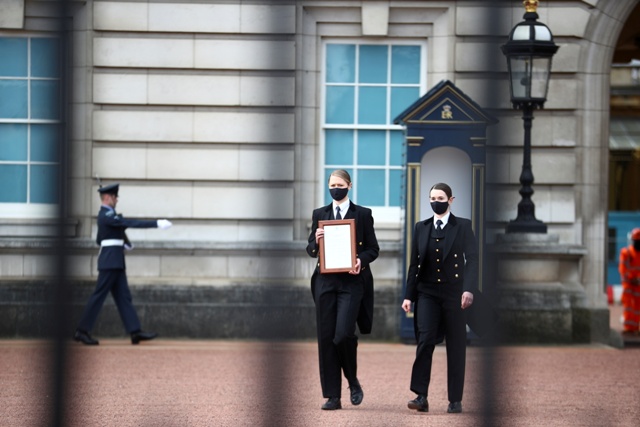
[128, 246]
[163, 224]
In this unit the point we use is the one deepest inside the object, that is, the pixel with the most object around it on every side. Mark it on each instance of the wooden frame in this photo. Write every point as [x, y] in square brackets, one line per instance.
[339, 242]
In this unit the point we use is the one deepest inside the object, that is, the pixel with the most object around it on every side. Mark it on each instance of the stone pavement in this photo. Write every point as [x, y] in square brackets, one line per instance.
[250, 383]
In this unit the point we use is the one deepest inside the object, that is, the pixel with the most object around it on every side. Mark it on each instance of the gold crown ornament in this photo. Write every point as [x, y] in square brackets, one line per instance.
[530, 5]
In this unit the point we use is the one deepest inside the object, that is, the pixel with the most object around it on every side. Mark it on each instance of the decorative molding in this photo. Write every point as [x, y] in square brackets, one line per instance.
[375, 19]
[12, 14]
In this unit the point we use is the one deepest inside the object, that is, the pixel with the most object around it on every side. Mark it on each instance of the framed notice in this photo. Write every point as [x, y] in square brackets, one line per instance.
[338, 246]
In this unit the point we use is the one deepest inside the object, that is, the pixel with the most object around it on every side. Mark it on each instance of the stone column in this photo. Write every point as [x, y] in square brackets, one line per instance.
[539, 293]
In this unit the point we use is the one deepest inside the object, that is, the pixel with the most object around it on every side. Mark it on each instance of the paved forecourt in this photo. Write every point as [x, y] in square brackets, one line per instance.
[249, 383]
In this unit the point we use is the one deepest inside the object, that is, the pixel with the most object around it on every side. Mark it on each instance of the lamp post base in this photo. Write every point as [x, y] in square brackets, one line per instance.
[531, 226]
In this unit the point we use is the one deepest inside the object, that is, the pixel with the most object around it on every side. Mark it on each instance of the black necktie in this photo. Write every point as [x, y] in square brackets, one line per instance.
[439, 225]
[338, 216]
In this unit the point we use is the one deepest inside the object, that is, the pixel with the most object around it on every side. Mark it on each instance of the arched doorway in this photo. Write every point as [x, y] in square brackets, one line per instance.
[624, 144]
[452, 166]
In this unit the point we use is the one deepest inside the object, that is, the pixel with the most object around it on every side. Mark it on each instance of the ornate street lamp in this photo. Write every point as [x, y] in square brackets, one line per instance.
[529, 52]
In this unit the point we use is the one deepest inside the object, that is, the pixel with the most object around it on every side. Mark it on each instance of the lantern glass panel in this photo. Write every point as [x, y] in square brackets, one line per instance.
[520, 76]
[529, 77]
[540, 77]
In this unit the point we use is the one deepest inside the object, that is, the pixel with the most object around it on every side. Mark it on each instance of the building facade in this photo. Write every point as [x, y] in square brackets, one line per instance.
[227, 116]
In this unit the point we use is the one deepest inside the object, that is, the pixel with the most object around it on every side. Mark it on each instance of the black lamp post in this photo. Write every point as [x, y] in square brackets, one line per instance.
[529, 52]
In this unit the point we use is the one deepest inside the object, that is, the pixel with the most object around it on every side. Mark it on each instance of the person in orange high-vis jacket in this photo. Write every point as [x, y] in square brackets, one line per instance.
[629, 268]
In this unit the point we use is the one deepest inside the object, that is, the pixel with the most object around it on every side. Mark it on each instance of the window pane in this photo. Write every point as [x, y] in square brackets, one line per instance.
[372, 147]
[340, 104]
[45, 99]
[44, 57]
[14, 184]
[402, 98]
[373, 64]
[44, 143]
[338, 147]
[372, 105]
[395, 187]
[13, 142]
[13, 57]
[371, 187]
[16, 92]
[396, 149]
[405, 64]
[44, 184]
[341, 63]
[327, 174]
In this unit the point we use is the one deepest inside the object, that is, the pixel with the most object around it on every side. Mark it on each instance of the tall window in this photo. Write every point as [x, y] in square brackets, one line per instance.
[29, 120]
[365, 87]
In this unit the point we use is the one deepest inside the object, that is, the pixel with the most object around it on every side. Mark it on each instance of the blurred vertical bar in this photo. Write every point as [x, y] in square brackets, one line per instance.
[495, 29]
[60, 328]
[276, 325]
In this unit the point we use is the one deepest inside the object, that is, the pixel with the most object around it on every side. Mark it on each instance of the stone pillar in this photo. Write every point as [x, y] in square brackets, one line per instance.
[539, 294]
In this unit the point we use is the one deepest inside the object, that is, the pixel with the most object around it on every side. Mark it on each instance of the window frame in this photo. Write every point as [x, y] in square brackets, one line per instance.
[30, 209]
[386, 214]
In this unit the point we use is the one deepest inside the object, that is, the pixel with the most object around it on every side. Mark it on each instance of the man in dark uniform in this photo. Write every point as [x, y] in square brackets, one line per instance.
[112, 276]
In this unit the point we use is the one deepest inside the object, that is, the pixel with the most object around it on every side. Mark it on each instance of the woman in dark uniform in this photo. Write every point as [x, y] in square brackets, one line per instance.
[342, 299]
[441, 279]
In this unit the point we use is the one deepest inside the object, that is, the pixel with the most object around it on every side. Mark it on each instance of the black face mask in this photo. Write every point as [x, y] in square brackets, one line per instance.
[636, 245]
[338, 193]
[439, 207]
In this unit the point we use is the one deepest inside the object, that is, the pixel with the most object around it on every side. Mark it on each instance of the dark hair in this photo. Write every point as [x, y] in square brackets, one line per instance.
[341, 173]
[444, 187]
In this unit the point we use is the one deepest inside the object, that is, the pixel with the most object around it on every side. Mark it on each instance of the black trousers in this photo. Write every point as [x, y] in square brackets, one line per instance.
[337, 298]
[114, 281]
[438, 312]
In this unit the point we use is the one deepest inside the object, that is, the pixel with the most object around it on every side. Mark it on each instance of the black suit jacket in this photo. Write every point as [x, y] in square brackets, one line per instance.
[460, 257]
[366, 246]
[460, 265]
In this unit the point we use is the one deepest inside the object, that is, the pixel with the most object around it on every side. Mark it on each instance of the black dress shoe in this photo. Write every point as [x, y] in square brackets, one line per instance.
[420, 403]
[356, 392]
[454, 407]
[332, 404]
[138, 336]
[84, 338]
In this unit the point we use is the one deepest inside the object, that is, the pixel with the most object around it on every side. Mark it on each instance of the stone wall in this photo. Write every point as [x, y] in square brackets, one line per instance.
[185, 290]
[240, 310]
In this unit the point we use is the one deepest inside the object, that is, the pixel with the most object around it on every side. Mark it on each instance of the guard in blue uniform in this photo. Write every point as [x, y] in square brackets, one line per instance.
[112, 276]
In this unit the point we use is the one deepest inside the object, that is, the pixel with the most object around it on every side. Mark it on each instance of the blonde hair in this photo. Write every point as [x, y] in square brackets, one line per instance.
[341, 173]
